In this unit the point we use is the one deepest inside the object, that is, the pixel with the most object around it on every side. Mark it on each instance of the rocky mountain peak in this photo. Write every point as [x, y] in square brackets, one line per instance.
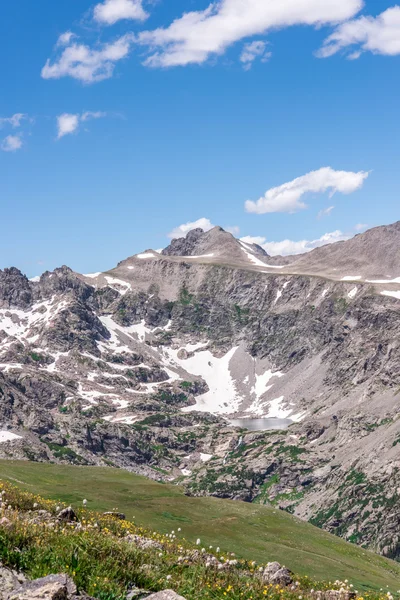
[216, 243]
[15, 289]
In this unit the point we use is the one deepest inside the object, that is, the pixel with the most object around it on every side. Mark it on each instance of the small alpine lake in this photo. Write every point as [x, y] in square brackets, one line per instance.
[261, 424]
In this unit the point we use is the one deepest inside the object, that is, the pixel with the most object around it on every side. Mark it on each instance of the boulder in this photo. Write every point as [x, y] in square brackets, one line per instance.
[276, 574]
[9, 580]
[165, 595]
[68, 515]
[52, 587]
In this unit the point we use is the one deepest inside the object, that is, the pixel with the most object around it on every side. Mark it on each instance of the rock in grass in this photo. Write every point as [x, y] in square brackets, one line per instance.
[9, 580]
[6, 523]
[142, 542]
[116, 515]
[276, 574]
[165, 595]
[52, 587]
[67, 514]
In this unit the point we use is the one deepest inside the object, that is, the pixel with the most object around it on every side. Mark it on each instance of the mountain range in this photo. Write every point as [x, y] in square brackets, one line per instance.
[147, 366]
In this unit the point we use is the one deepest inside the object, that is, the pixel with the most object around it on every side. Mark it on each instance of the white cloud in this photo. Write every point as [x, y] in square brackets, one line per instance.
[197, 35]
[11, 143]
[290, 247]
[380, 35]
[254, 50]
[361, 227]
[86, 64]
[184, 229]
[65, 38]
[14, 121]
[68, 123]
[325, 212]
[111, 11]
[93, 115]
[288, 197]
[234, 229]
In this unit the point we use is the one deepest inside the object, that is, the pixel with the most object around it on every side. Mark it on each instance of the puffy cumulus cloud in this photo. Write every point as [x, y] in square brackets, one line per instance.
[11, 143]
[288, 196]
[290, 247]
[14, 120]
[183, 230]
[325, 212]
[197, 35]
[380, 35]
[87, 64]
[68, 123]
[254, 50]
[111, 11]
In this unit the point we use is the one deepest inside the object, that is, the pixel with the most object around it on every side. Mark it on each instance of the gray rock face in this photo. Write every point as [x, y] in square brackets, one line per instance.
[15, 289]
[184, 246]
[52, 587]
[9, 581]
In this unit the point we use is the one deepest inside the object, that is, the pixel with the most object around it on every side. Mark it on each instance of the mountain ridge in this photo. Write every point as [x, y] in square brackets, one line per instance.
[144, 366]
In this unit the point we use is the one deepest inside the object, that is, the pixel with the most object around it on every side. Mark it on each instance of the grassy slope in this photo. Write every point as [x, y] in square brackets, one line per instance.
[251, 531]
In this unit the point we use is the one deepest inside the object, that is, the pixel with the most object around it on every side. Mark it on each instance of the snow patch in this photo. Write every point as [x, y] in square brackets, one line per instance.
[353, 293]
[391, 294]
[92, 275]
[201, 256]
[397, 280]
[205, 457]
[251, 257]
[146, 255]
[351, 278]
[7, 436]
[222, 397]
[116, 284]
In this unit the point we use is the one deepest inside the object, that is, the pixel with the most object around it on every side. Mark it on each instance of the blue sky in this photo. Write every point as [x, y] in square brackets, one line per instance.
[193, 121]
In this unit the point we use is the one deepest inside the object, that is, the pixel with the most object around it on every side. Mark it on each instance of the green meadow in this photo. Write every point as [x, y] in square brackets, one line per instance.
[250, 531]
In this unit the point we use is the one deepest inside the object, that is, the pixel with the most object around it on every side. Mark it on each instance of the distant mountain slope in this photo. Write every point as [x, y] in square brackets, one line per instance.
[373, 255]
